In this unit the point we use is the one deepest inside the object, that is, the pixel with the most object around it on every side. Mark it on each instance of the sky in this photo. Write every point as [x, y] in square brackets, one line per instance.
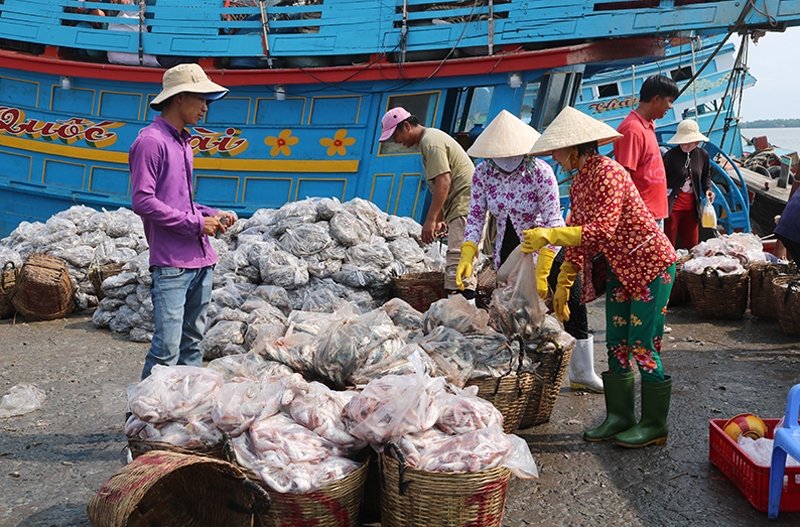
[773, 62]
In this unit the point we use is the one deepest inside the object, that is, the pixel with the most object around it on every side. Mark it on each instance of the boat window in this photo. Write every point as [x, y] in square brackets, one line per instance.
[530, 101]
[608, 90]
[701, 109]
[472, 108]
[560, 90]
[681, 74]
[421, 105]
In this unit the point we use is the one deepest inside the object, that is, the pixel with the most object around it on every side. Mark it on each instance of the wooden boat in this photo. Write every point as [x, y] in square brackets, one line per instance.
[309, 81]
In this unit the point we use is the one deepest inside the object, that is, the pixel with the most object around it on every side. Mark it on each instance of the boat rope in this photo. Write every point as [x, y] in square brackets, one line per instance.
[706, 63]
[765, 13]
[748, 6]
[733, 80]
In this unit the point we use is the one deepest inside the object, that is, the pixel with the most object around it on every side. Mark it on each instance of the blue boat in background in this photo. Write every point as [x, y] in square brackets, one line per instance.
[309, 81]
[712, 76]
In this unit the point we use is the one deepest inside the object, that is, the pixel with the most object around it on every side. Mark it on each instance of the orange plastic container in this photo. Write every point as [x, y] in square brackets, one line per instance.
[751, 479]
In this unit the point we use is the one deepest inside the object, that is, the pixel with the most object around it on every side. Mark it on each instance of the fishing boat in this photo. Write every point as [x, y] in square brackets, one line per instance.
[309, 81]
[712, 75]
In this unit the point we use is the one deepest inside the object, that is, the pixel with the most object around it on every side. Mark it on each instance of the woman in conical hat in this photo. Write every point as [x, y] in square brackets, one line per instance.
[521, 192]
[611, 228]
[688, 179]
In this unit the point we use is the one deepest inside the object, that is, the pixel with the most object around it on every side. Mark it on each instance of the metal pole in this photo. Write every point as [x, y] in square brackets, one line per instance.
[142, 29]
[491, 27]
[265, 32]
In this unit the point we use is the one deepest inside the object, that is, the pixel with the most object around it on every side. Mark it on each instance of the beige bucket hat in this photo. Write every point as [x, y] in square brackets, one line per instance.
[187, 78]
[572, 127]
[688, 132]
[505, 136]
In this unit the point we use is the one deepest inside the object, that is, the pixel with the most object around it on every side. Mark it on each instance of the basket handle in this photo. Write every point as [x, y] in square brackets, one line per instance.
[791, 285]
[6, 267]
[263, 501]
[707, 273]
[392, 450]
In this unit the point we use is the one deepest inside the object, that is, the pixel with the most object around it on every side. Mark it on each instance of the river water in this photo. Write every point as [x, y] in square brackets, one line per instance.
[788, 138]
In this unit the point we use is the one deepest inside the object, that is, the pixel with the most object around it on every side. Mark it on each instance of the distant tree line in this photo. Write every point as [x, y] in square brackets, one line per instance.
[771, 123]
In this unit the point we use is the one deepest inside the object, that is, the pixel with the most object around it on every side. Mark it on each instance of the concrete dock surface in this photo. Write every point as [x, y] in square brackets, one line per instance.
[52, 461]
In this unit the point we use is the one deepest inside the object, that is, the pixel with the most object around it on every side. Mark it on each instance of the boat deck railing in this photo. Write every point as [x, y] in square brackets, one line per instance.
[404, 29]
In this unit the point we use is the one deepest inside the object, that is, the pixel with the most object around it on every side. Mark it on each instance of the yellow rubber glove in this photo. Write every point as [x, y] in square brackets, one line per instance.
[566, 277]
[535, 239]
[464, 269]
[543, 265]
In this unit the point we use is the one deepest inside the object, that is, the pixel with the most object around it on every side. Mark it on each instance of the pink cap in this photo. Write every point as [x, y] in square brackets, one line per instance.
[390, 121]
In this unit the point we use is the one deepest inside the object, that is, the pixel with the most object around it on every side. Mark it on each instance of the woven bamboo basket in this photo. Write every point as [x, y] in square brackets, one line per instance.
[547, 381]
[420, 289]
[762, 295]
[418, 498]
[139, 447]
[715, 296]
[98, 274]
[170, 489]
[679, 294]
[787, 293]
[335, 505]
[44, 288]
[8, 286]
[509, 394]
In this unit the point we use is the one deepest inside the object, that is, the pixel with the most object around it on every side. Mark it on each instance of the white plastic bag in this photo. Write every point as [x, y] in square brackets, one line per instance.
[21, 399]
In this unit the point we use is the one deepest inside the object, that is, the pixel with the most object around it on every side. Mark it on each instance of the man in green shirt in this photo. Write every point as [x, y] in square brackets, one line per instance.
[448, 173]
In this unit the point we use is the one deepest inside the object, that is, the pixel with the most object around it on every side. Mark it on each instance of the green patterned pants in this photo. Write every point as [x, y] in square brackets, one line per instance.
[635, 326]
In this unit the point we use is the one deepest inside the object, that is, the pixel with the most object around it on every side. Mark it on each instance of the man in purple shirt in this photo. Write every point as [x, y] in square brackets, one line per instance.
[177, 229]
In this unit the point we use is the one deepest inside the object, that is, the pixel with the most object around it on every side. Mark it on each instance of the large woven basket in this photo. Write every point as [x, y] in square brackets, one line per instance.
[8, 286]
[762, 296]
[141, 446]
[420, 289]
[509, 394]
[417, 498]
[547, 381]
[679, 294]
[100, 273]
[44, 288]
[787, 293]
[715, 296]
[335, 505]
[170, 489]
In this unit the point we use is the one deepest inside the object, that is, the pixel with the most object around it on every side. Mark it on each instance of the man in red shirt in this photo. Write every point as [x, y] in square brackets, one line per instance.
[638, 151]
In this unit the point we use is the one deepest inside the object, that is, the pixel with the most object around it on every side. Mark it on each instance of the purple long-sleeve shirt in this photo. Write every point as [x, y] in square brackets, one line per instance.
[161, 193]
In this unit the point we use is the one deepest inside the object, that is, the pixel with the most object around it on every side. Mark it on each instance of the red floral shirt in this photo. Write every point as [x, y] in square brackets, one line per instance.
[616, 223]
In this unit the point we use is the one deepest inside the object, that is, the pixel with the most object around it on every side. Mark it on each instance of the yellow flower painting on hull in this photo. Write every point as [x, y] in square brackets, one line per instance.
[339, 143]
[281, 144]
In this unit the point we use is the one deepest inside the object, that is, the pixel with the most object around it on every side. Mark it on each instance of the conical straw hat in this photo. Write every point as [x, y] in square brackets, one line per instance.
[572, 127]
[505, 136]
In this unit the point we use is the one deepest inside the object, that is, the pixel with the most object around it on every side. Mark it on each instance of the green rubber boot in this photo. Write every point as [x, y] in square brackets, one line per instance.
[652, 429]
[619, 395]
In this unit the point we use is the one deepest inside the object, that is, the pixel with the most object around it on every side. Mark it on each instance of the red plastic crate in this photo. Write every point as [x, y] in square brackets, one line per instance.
[751, 479]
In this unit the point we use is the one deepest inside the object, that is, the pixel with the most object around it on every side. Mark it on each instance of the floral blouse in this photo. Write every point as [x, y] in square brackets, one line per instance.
[528, 197]
[616, 223]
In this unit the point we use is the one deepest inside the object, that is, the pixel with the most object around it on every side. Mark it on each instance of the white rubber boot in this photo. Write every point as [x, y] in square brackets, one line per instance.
[581, 367]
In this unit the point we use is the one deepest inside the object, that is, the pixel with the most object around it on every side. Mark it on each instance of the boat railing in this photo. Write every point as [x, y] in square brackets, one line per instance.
[304, 28]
